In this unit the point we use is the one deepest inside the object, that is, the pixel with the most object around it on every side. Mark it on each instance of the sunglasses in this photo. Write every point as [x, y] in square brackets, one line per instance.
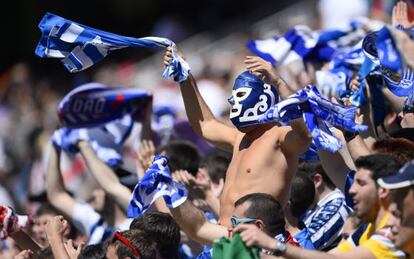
[236, 221]
[119, 237]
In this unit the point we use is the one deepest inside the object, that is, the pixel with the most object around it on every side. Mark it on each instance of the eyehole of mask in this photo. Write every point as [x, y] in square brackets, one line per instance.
[241, 94]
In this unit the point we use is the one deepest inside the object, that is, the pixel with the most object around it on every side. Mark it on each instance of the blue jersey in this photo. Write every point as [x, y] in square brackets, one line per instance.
[325, 222]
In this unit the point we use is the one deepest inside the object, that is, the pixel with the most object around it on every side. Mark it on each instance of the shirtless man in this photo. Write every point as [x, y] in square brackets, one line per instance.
[265, 156]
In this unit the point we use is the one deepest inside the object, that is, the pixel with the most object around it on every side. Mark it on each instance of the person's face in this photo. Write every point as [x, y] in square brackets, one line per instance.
[349, 228]
[404, 201]
[39, 228]
[365, 196]
[403, 235]
[97, 200]
[405, 204]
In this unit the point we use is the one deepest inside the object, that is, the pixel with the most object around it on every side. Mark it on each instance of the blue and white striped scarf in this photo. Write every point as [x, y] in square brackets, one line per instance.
[156, 182]
[397, 75]
[385, 52]
[344, 64]
[301, 43]
[320, 111]
[79, 46]
[324, 222]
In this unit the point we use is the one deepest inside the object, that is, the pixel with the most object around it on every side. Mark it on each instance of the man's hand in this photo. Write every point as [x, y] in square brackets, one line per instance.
[400, 15]
[203, 180]
[354, 84]
[145, 156]
[71, 250]
[253, 236]
[262, 69]
[56, 227]
[184, 177]
[200, 182]
[25, 254]
[168, 54]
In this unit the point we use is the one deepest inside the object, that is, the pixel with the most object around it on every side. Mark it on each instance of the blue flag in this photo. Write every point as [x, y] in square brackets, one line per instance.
[156, 182]
[79, 46]
[94, 104]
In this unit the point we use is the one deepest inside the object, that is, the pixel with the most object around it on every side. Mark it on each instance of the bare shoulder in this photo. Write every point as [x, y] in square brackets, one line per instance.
[290, 141]
[279, 132]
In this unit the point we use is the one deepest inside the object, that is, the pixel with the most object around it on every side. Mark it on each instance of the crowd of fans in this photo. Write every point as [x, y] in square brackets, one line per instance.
[255, 191]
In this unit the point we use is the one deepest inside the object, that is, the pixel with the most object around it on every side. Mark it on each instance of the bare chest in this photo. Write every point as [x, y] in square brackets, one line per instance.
[256, 156]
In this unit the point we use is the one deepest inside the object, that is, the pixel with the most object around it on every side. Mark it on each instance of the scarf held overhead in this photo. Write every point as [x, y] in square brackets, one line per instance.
[79, 46]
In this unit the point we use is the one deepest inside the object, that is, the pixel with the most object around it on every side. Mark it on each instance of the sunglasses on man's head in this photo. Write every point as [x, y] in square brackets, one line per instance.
[236, 221]
[119, 237]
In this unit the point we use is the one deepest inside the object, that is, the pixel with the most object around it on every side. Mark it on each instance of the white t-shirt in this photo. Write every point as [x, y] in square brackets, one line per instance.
[93, 225]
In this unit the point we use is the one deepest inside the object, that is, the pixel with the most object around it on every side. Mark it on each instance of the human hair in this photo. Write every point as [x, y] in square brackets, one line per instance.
[182, 155]
[216, 162]
[145, 245]
[47, 208]
[313, 168]
[302, 194]
[405, 133]
[266, 208]
[97, 251]
[400, 148]
[163, 229]
[380, 165]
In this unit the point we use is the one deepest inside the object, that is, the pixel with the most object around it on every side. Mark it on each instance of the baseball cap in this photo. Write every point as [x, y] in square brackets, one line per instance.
[404, 178]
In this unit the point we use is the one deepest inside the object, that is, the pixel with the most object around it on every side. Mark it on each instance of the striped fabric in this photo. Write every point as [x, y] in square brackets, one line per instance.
[325, 222]
[399, 84]
[301, 43]
[79, 46]
[381, 244]
[382, 48]
[156, 182]
[11, 222]
[319, 111]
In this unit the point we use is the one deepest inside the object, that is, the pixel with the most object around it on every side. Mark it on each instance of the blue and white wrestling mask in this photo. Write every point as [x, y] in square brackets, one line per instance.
[251, 98]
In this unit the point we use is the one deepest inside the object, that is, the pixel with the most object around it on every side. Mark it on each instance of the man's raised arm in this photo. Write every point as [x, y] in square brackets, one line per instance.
[297, 139]
[201, 118]
[55, 188]
[193, 222]
[105, 176]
